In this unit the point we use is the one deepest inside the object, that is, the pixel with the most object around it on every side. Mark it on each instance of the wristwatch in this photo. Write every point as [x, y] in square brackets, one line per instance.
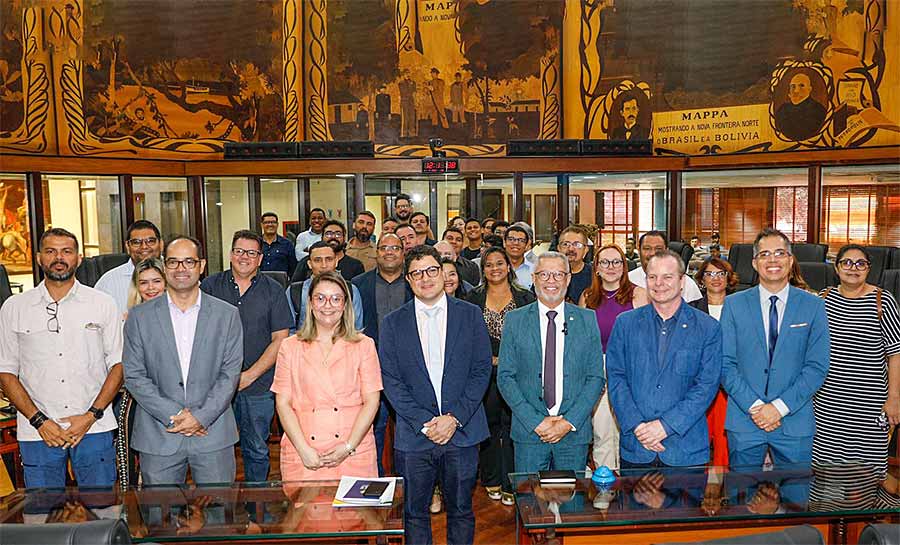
[37, 420]
[98, 413]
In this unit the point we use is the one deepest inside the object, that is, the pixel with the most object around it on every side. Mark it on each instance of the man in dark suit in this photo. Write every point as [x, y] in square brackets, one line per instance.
[550, 379]
[382, 291]
[435, 357]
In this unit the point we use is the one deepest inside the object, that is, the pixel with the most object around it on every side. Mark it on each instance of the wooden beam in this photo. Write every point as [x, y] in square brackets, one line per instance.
[89, 165]
[126, 204]
[303, 205]
[675, 202]
[36, 226]
[254, 198]
[197, 209]
[814, 213]
[518, 197]
[562, 202]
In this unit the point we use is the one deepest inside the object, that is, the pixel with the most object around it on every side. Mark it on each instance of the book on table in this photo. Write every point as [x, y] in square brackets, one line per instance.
[365, 492]
[557, 478]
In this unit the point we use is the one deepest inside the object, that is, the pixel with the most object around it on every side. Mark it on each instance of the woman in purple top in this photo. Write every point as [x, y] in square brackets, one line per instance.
[610, 294]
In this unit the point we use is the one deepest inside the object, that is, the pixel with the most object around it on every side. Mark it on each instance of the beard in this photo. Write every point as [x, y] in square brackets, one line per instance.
[58, 276]
[547, 299]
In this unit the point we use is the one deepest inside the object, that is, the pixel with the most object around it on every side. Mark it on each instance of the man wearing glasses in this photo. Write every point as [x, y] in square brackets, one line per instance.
[183, 355]
[549, 372]
[517, 241]
[60, 354]
[335, 235]
[322, 259]
[266, 319]
[436, 363]
[573, 242]
[278, 252]
[775, 346]
[143, 241]
[382, 291]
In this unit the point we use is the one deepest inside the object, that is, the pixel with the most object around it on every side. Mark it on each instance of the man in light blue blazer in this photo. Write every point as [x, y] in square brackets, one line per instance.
[775, 358]
[664, 363]
[550, 373]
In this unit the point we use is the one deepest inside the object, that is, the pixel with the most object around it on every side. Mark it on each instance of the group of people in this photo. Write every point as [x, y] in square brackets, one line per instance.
[490, 358]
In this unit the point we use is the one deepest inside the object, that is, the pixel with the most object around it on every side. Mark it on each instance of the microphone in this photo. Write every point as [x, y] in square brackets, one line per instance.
[565, 328]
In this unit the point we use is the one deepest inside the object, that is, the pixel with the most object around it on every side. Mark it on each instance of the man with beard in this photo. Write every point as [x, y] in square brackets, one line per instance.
[631, 130]
[142, 241]
[278, 252]
[312, 235]
[322, 259]
[574, 244]
[801, 117]
[421, 223]
[382, 291]
[334, 234]
[552, 385]
[60, 365]
[468, 271]
[403, 208]
[360, 246]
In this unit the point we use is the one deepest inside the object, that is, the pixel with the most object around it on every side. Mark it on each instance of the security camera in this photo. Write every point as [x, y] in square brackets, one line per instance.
[436, 144]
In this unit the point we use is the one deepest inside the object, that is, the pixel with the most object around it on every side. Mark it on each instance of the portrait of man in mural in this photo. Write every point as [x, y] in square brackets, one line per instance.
[458, 99]
[632, 127]
[436, 88]
[801, 116]
[408, 120]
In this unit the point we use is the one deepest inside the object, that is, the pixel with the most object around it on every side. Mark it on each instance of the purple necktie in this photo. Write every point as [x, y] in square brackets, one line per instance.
[550, 361]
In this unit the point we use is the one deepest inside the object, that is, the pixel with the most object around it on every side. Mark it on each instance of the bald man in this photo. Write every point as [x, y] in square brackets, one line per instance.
[801, 117]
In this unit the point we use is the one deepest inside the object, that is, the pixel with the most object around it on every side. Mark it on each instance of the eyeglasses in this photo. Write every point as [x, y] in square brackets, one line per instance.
[610, 263]
[431, 271]
[138, 242]
[576, 245]
[240, 252]
[270, 222]
[332, 234]
[715, 274]
[402, 206]
[516, 240]
[547, 275]
[848, 264]
[189, 263]
[53, 322]
[321, 300]
[391, 248]
[777, 254]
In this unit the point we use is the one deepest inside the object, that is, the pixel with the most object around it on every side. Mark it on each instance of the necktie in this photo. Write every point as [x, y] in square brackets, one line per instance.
[434, 361]
[773, 326]
[550, 361]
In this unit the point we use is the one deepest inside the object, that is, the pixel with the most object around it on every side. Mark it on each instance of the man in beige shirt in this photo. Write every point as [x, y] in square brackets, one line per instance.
[360, 246]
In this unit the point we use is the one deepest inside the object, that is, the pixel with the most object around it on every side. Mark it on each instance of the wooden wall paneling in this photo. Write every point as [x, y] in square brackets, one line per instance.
[675, 199]
[814, 197]
[518, 197]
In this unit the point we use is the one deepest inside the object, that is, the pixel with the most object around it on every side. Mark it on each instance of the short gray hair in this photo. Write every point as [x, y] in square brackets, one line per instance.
[662, 254]
[553, 255]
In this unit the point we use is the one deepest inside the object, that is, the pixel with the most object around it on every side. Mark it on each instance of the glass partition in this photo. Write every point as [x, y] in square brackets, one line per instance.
[860, 204]
[163, 201]
[227, 211]
[15, 234]
[280, 196]
[329, 194]
[620, 205]
[738, 204]
[95, 219]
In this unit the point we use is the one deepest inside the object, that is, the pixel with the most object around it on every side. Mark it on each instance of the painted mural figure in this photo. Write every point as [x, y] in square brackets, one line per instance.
[408, 121]
[631, 130]
[458, 99]
[802, 116]
[436, 88]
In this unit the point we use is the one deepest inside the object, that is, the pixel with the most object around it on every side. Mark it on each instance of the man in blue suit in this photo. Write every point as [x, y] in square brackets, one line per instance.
[382, 290]
[435, 357]
[550, 373]
[664, 362]
[775, 358]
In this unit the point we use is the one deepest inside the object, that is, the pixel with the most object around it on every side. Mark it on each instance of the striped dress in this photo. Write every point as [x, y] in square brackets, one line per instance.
[849, 403]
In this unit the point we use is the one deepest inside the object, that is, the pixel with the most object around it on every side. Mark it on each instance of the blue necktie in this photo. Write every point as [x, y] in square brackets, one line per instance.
[773, 326]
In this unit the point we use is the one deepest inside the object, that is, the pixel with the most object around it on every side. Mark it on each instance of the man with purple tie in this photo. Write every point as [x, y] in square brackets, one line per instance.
[548, 373]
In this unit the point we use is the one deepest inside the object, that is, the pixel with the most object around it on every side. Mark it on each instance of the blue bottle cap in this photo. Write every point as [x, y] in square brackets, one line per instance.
[603, 476]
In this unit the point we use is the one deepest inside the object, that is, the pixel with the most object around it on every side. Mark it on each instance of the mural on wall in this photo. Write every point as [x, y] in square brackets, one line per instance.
[473, 73]
[15, 242]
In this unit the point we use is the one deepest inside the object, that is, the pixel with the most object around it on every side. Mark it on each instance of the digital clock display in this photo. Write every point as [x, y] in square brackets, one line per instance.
[439, 165]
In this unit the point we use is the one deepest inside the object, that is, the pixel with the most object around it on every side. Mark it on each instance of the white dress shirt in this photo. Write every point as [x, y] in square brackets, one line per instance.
[184, 324]
[690, 292]
[523, 274]
[116, 283]
[559, 321]
[435, 368]
[62, 372]
[305, 240]
[780, 305]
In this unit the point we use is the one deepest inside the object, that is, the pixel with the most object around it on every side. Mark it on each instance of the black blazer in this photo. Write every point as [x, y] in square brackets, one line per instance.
[478, 297]
[702, 304]
[365, 283]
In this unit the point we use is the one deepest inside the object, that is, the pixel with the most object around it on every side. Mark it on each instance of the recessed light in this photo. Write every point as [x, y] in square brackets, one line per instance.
[345, 175]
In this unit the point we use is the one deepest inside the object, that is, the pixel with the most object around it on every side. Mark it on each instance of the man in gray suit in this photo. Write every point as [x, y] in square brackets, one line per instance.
[182, 358]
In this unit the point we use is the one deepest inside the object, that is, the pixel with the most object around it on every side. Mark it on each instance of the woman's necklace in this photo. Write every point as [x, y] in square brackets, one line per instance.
[325, 354]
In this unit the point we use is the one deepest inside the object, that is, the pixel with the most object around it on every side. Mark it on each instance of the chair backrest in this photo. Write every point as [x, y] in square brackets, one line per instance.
[685, 250]
[895, 258]
[880, 534]
[95, 532]
[890, 280]
[881, 260]
[741, 258]
[5, 288]
[279, 276]
[107, 262]
[796, 535]
[809, 253]
[86, 273]
[633, 264]
[818, 275]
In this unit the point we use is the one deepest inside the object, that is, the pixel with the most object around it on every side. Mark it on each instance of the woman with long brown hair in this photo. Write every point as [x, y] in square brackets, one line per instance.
[611, 293]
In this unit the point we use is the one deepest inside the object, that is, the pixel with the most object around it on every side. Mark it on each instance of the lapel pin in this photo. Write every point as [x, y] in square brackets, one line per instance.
[684, 326]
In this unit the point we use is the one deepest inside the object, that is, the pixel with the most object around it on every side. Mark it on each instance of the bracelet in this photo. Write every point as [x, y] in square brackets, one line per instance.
[37, 420]
[350, 450]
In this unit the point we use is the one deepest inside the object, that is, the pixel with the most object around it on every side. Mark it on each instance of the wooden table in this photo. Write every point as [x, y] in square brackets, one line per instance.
[687, 504]
[10, 445]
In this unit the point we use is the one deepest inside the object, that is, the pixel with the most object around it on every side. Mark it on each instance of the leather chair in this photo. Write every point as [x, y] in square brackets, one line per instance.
[880, 534]
[809, 253]
[685, 250]
[740, 256]
[797, 535]
[95, 532]
[881, 260]
[818, 275]
[106, 262]
[86, 273]
[895, 258]
[279, 276]
[633, 264]
[890, 280]
[5, 288]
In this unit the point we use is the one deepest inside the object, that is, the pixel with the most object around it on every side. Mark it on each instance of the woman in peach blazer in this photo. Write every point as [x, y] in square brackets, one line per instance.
[327, 388]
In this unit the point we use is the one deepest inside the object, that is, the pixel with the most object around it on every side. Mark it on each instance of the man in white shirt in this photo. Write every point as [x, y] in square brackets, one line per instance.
[142, 241]
[517, 241]
[312, 235]
[60, 354]
[649, 244]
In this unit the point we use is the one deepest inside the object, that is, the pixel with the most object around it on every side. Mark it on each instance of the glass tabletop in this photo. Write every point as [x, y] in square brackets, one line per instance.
[239, 511]
[698, 494]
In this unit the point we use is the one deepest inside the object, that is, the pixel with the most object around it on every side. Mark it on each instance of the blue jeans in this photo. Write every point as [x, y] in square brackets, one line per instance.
[254, 418]
[93, 461]
[456, 469]
[380, 430]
